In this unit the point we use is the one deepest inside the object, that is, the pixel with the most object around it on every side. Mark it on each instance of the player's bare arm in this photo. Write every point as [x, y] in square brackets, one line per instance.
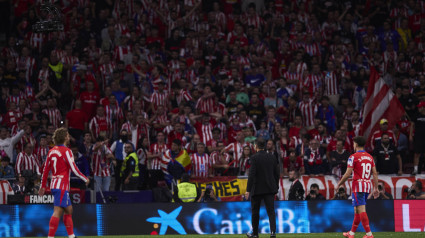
[345, 177]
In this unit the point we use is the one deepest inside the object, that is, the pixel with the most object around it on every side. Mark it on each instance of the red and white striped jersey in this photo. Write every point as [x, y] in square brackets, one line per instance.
[60, 162]
[114, 116]
[330, 82]
[69, 60]
[27, 64]
[237, 149]
[356, 129]
[255, 21]
[218, 158]
[155, 163]
[362, 163]
[301, 67]
[312, 49]
[100, 164]
[160, 98]
[36, 40]
[43, 76]
[24, 140]
[184, 95]
[205, 105]
[10, 53]
[5, 189]
[313, 82]
[201, 165]
[41, 155]
[15, 99]
[98, 125]
[121, 51]
[55, 116]
[26, 162]
[59, 53]
[308, 112]
[204, 131]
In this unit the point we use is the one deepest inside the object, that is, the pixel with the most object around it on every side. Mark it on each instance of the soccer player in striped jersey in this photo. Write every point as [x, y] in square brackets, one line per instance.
[60, 162]
[361, 164]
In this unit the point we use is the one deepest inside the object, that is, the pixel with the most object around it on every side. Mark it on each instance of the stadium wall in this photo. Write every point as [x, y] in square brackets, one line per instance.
[211, 218]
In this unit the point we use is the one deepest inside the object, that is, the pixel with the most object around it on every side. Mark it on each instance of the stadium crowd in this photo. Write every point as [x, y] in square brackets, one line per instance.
[153, 89]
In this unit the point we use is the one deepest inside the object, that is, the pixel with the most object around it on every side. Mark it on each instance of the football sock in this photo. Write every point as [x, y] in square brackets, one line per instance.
[53, 226]
[356, 223]
[69, 225]
[369, 234]
[365, 222]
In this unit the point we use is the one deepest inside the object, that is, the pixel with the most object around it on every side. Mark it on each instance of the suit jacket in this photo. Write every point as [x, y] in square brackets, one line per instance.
[296, 192]
[263, 174]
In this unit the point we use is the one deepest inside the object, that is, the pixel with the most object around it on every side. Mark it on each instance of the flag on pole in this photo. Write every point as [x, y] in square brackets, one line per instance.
[380, 103]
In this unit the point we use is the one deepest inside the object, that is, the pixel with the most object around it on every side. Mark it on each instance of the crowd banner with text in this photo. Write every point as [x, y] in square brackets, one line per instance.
[396, 185]
[228, 188]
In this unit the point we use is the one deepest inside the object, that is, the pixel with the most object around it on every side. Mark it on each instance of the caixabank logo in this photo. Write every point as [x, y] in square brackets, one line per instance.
[167, 220]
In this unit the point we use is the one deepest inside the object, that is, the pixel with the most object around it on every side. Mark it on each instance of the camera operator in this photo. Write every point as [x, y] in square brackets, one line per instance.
[314, 193]
[208, 195]
[341, 194]
[382, 193]
[415, 191]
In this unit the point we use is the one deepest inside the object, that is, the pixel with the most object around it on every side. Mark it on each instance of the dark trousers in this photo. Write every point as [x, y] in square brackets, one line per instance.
[255, 207]
[132, 185]
[118, 179]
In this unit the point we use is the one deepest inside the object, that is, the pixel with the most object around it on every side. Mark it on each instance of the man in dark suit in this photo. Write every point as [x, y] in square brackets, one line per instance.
[262, 184]
[296, 191]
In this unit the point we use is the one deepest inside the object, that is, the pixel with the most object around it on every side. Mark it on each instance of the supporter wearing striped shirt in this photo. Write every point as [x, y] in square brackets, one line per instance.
[201, 164]
[41, 151]
[55, 116]
[154, 157]
[99, 125]
[160, 97]
[101, 160]
[26, 160]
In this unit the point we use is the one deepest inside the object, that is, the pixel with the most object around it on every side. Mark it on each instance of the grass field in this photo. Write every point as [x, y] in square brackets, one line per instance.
[316, 235]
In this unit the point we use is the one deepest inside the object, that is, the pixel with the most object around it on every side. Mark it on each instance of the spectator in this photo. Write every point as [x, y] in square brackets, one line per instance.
[220, 160]
[76, 121]
[315, 159]
[186, 191]
[20, 186]
[377, 135]
[382, 193]
[129, 171]
[6, 171]
[263, 132]
[26, 162]
[118, 148]
[101, 161]
[402, 141]
[7, 143]
[99, 125]
[327, 115]
[387, 157]
[175, 162]
[338, 159]
[314, 193]
[83, 164]
[296, 191]
[156, 151]
[201, 164]
[292, 162]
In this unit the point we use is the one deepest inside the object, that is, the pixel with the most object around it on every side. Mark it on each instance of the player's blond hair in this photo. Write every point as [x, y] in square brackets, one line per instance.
[59, 137]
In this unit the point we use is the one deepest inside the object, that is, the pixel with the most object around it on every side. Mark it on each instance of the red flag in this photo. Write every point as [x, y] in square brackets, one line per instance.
[380, 103]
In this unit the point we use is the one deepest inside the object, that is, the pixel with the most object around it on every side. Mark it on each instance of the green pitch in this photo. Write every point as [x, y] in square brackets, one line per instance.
[316, 235]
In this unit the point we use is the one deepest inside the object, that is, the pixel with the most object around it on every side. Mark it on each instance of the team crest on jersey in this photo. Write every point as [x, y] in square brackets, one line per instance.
[350, 161]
